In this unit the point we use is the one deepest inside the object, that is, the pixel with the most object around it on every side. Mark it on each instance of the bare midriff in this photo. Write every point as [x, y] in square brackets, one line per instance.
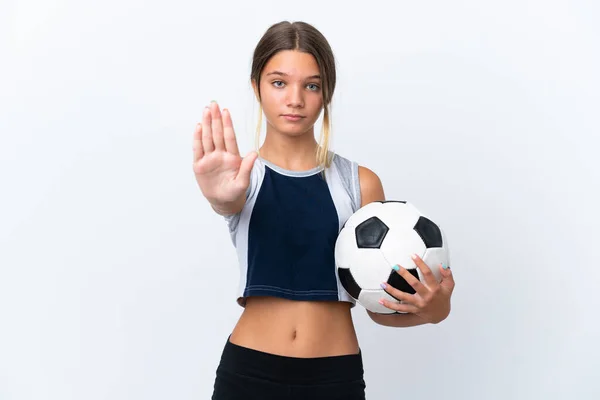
[296, 328]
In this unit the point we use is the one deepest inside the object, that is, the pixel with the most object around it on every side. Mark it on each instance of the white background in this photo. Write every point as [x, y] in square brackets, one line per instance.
[117, 281]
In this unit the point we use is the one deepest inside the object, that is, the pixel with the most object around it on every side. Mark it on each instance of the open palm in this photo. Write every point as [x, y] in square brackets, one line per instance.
[221, 173]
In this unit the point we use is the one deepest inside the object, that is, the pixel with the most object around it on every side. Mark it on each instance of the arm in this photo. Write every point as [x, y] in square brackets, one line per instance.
[371, 189]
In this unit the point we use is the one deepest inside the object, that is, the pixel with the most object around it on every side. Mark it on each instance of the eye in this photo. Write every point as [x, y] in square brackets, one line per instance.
[313, 86]
[276, 84]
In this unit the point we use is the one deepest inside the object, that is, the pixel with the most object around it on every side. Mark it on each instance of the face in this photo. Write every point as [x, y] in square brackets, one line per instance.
[291, 92]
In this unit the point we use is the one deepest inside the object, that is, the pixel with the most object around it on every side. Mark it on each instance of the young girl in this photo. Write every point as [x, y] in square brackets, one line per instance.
[285, 206]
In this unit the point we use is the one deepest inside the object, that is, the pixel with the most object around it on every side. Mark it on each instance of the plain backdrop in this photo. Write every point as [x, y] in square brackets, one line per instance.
[117, 281]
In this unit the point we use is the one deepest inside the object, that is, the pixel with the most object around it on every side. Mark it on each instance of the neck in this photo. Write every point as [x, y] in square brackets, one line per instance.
[290, 152]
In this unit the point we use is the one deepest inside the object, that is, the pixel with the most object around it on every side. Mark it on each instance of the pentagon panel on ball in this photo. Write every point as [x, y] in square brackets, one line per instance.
[377, 237]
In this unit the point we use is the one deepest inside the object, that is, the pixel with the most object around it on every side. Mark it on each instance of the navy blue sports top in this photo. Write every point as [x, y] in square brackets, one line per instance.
[285, 234]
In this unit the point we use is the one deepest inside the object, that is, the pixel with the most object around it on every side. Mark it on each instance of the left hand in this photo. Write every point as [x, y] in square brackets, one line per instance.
[431, 302]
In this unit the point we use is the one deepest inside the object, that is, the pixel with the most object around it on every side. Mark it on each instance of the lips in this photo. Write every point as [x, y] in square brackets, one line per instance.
[292, 117]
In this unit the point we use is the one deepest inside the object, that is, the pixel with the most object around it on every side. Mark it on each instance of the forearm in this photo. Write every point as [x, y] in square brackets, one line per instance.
[403, 320]
[398, 320]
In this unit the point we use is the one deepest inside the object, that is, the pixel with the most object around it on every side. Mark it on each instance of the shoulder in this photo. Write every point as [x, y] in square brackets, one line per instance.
[365, 183]
[371, 187]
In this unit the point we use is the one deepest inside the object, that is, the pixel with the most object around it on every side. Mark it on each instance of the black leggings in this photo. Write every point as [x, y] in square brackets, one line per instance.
[249, 374]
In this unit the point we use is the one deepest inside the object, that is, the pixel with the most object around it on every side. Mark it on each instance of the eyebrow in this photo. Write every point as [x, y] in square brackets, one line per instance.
[284, 74]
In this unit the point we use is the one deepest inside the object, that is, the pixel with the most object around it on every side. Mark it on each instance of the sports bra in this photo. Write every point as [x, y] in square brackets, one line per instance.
[285, 234]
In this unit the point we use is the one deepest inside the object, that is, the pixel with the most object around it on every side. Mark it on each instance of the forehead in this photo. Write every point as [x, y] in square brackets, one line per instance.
[295, 63]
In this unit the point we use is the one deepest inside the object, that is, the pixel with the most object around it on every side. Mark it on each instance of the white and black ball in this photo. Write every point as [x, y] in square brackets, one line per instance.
[377, 237]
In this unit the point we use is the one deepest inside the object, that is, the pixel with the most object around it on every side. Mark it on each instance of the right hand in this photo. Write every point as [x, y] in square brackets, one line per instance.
[221, 173]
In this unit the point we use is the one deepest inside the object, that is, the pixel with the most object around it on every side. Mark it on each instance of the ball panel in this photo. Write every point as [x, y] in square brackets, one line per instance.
[369, 268]
[370, 233]
[429, 232]
[399, 215]
[446, 247]
[348, 282]
[345, 248]
[370, 300]
[433, 258]
[397, 281]
[399, 244]
[416, 210]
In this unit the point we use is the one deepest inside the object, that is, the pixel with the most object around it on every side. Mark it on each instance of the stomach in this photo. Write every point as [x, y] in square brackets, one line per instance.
[295, 328]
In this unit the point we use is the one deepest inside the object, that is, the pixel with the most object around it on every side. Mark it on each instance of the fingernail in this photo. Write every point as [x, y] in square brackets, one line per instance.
[413, 256]
[213, 101]
[381, 302]
[396, 268]
[445, 266]
[383, 285]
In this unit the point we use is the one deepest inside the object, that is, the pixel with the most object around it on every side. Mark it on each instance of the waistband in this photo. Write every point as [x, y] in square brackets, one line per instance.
[291, 370]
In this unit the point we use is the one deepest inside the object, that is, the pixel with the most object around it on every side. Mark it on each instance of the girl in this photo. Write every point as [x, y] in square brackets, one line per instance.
[284, 206]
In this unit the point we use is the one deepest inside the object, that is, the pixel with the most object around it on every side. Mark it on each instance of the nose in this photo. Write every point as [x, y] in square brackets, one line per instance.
[295, 96]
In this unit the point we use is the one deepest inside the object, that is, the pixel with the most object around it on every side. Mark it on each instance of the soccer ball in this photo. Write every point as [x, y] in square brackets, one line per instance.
[377, 237]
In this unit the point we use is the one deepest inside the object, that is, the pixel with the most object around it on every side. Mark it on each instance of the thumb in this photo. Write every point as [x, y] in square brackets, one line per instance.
[246, 168]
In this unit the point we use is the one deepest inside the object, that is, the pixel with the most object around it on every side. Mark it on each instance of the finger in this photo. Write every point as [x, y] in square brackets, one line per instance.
[207, 139]
[229, 134]
[197, 143]
[447, 278]
[399, 295]
[217, 126]
[428, 277]
[400, 307]
[246, 169]
[412, 281]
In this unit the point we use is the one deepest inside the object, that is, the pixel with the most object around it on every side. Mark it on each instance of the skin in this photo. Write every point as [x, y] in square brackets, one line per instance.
[290, 85]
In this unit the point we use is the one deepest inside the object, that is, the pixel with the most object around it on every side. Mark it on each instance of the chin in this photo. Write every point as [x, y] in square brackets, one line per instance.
[293, 129]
